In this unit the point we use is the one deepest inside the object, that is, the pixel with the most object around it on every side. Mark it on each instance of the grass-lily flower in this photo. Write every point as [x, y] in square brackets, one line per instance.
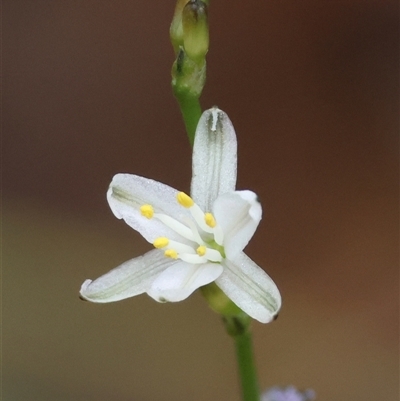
[199, 239]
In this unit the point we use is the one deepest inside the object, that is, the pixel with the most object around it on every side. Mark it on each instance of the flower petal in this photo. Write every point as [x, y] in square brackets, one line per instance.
[180, 280]
[250, 288]
[214, 158]
[127, 280]
[128, 192]
[238, 213]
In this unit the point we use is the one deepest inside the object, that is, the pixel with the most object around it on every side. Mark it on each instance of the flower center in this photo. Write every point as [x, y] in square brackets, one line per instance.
[205, 236]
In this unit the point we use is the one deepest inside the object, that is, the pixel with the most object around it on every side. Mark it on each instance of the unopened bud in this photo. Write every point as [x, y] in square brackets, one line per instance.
[195, 30]
[176, 29]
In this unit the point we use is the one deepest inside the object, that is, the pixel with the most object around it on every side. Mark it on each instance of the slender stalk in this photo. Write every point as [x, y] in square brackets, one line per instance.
[191, 113]
[239, 328]
[247, 368]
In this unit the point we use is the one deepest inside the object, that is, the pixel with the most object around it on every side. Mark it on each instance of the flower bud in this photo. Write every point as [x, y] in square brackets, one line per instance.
[176, 29]
[195, 30]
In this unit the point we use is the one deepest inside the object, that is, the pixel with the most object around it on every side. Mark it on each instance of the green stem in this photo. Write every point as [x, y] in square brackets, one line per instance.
[191, 112]
[247, 369]
[239, 328]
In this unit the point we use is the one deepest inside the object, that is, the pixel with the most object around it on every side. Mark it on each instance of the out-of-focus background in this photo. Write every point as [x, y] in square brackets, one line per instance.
[311, 87]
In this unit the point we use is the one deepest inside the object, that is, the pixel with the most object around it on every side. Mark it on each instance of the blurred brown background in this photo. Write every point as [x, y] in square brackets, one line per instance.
[311, 87]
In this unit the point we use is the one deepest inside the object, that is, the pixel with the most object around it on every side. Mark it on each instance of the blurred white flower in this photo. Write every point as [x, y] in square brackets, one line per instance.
[289, 393]
[198, 239]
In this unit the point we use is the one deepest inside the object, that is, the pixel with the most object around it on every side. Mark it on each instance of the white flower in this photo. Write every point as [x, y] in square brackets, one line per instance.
[289, 393]
[198, 239]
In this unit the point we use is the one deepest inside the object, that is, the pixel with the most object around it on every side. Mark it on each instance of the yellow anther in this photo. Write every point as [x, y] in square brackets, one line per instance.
[147, 211]
[184, 200]
[201, 250]
[161, 242]
[209, 219]
[171, 253]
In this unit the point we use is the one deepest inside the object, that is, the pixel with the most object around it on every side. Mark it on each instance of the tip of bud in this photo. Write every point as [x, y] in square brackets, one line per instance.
[195, 30]
[189, 29]
[176, 29]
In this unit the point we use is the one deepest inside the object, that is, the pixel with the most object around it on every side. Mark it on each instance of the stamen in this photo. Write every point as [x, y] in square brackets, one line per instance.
[218, 235]
[201, 250]
[147, 211]
[184, 200]
[171, 253]
[199, 217]
[210, 220]
[178, 247]
[213, 255]
[191, 229]
[161, 242]
[181, 248]
[195, 232]
[175, 225]
[192, 258]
